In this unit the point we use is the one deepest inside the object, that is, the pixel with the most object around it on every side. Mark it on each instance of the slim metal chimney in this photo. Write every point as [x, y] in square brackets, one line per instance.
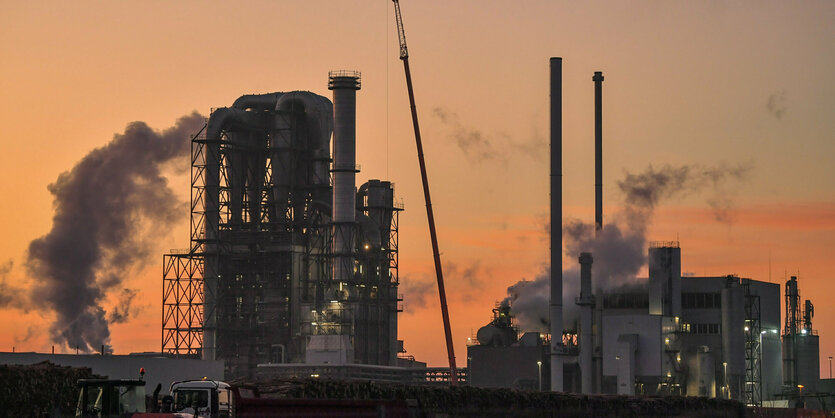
[598, 150]
[344, 85]
[586, 303]
[556, 227]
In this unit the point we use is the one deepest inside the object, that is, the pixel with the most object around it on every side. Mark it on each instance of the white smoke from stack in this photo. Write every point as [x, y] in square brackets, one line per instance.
[619, 249]
[109, 210]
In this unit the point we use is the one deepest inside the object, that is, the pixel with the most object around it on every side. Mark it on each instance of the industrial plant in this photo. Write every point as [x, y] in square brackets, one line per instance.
[668, 334]
[290, 261]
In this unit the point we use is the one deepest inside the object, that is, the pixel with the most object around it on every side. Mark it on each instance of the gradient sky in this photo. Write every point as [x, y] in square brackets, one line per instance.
[703, 83]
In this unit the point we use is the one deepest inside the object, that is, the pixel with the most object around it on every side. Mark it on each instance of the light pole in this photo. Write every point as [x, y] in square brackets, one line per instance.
[726, 387]
[539, 369]
[830, 367]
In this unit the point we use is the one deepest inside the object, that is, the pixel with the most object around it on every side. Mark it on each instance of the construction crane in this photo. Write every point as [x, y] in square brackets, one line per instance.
[404, 56]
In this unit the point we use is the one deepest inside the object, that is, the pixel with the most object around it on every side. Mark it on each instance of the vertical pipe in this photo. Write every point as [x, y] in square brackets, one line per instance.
[556, 226]
[586, 303]
[344, 85]
[598, 150]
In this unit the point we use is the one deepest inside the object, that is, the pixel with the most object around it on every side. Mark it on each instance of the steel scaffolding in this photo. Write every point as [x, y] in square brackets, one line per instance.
[753, 347]
[256, 282]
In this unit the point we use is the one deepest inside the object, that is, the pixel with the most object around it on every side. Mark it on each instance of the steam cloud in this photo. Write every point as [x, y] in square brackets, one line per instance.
[108, 208]
[416, 290]
[11, 296]
[126, 308]
[619, 248]
[477, 146]
[473, 143]
[776, 104]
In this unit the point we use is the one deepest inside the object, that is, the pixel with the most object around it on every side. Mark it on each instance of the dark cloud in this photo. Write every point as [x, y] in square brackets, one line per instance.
[108, 209]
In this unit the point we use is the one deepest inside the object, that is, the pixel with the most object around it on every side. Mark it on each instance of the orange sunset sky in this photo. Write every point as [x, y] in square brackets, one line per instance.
[703, 83]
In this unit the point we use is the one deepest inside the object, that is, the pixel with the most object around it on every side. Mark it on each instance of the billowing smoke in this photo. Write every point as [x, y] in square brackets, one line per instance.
[126, 309]
[108, 209]
[529, 301]
[11, 296]
[643, 191]
[619, 249]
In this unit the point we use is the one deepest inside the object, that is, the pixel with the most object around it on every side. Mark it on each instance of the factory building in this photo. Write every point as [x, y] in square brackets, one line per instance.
[663, 335]
[289, 261]
[668, 335]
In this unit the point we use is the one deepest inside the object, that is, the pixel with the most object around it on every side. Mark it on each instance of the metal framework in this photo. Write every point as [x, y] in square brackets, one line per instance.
[255, 282]
[182, 271]
[752, 392]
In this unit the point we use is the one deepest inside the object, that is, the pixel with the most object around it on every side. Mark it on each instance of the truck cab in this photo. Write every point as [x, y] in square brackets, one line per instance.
[106, 398]
[203, 398]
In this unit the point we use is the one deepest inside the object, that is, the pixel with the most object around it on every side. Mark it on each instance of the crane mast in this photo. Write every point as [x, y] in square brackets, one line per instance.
[404, 56]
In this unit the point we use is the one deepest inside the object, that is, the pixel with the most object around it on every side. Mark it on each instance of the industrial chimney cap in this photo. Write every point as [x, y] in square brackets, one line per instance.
[344, 79]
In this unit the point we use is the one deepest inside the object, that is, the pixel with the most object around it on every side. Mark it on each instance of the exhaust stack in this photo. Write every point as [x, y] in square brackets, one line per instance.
[555, 310]
[344, 85]
[598, 150]
[586, 304]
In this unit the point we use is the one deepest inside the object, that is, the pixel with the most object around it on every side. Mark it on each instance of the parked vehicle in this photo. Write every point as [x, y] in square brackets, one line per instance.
[216, 399]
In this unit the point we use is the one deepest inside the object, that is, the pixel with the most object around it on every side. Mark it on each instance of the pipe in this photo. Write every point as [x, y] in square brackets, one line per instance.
[257, 101]
[598, 150]
[344, 85]
[291, 171]
[221, 120]
[586, 303]
[555, 310]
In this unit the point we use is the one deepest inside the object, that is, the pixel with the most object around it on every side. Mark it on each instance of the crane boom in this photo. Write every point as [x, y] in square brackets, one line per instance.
[401, 34]
[404, 56]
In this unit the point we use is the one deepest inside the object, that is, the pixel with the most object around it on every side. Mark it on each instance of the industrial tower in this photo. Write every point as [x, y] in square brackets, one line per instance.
[288, 259]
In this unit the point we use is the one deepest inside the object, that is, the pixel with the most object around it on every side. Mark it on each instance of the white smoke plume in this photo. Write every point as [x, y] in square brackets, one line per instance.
[97, 235]
[619, 249]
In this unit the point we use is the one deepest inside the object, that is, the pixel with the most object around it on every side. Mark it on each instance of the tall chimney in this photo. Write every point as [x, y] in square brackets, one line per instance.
[598, 150]
[344, 85]
[586, 303]
[556, 226]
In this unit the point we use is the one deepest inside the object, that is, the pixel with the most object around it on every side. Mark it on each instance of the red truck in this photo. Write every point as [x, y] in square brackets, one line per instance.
[103, 398]
[216, 399]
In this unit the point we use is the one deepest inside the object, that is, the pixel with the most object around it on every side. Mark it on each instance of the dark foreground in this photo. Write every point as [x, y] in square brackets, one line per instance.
[48, 390]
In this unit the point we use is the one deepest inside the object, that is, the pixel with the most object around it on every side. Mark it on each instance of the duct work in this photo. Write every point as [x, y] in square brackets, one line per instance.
[286, 262]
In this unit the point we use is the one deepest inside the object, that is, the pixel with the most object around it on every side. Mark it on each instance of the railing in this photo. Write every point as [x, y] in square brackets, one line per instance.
[663, 244]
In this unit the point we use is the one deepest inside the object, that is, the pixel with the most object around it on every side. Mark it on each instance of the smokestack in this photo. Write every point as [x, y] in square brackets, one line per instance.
[586, 303]
[598, 150]
[556, 226]
[344, 85]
